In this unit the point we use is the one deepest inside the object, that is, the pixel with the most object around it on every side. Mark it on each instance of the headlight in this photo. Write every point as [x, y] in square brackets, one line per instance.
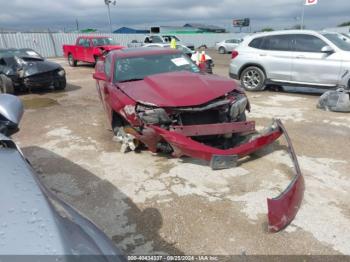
[61, 72]
[152, 116]
[238, 107]
[20, 61]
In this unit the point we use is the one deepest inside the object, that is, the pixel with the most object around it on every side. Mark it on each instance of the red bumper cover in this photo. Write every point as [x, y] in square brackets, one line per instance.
[282, 209]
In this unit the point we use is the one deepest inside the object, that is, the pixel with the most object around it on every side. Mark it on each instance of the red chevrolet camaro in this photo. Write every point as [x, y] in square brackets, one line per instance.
[160, 99]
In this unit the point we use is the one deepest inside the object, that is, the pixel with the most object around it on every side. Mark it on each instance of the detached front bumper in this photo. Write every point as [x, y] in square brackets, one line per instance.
[182, 144]
[282, 209]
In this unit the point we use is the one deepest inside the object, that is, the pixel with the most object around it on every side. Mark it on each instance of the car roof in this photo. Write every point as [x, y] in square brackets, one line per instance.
[143, 51]
[283, 32]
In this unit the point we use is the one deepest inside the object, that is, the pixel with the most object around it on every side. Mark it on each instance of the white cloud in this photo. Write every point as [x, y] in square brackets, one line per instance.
[22, 14]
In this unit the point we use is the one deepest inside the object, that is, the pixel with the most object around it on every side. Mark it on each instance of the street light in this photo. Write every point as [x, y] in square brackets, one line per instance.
[107, 3]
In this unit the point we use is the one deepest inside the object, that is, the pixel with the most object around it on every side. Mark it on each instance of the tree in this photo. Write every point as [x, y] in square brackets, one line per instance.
[344, 24]
[267, 29]
[298, 27]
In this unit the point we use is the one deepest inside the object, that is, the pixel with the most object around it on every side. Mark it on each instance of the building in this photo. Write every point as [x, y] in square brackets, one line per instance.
[206, 28]
[342, 29]
[128, 30]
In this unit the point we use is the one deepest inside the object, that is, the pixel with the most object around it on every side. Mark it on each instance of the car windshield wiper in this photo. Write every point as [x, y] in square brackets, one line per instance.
[130, 80]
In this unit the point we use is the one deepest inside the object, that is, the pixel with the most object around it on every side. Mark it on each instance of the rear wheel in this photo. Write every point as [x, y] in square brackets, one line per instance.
[6, 85]
[222, 50]
[71, 61]
[253, 79]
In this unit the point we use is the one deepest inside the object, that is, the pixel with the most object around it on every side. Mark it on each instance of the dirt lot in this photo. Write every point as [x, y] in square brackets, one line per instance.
[154, 204]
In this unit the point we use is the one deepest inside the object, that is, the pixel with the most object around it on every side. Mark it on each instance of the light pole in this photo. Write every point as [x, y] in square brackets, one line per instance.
[107, 3]
[302, 15]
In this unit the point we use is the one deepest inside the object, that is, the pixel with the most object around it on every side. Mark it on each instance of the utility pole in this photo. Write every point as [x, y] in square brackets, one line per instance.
[107, 3]
[302, 15]
[77, 24]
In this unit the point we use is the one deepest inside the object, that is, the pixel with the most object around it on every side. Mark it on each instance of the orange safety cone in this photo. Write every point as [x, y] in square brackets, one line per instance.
[202, 62]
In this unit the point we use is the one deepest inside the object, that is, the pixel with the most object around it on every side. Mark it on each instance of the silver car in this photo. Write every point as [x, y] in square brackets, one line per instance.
[34, 221]
[227, 46]
[292, 57]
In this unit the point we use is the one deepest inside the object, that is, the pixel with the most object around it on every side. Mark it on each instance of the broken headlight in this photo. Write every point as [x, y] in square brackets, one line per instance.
[238, 106]
[152, 116]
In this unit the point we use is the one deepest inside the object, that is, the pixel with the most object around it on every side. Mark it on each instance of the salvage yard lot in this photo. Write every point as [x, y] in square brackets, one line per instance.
[153, 204]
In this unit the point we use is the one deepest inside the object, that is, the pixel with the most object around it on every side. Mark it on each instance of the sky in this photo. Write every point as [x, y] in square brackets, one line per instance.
[62, 14]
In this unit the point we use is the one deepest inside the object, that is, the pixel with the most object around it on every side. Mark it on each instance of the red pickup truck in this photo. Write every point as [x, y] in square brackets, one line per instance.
[89, 49]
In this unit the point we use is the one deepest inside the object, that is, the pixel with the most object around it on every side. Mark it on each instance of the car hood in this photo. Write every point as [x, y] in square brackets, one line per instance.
[38, 67]
[36, 222]
[177, 89]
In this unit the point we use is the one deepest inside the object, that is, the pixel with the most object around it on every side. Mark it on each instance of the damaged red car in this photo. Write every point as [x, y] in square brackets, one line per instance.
[160, 99]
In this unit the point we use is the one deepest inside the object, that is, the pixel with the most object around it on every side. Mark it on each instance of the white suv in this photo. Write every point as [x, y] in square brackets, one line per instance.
[292, 57]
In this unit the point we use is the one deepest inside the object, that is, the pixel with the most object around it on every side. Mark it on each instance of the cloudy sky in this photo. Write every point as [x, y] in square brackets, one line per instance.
[61, 14]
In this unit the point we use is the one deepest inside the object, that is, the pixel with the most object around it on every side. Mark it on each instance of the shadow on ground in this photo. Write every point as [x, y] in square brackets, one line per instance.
[83, 190]
[48, 90]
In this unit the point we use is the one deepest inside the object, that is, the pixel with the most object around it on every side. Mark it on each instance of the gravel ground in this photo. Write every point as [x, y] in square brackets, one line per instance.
[153, 204]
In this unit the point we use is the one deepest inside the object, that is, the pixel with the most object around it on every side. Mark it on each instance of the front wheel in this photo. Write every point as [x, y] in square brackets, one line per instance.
[60, 84]
[6, 85]
[253, 79]
[71, 61]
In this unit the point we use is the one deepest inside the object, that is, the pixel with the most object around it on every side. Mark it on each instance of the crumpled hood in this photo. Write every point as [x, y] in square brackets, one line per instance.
[178, 89]
[37, 67]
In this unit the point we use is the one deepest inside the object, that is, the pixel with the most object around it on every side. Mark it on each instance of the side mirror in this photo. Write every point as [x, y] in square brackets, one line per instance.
[327, 49]
[100, 76]
[11, 112]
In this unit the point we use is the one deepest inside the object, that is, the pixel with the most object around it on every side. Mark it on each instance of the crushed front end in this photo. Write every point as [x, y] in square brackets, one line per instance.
[218, 133]
[53, 78]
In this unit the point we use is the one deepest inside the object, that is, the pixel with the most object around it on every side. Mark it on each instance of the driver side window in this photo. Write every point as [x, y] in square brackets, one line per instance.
[108, 63]
[81, 42]
[308, 43]
[156, 39]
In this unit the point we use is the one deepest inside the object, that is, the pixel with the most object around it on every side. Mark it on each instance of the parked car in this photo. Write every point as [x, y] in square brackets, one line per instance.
[171, 107]
[160, 39]
[89, 49]
[192, 54]
[23, 69]
[292, 57]
[227, 46]
[34, 220]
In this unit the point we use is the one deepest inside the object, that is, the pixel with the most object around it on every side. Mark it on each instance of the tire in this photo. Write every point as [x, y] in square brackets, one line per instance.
[222, 50]
[96, 60]
[6, 85]
[61, 84]
[71, 61]
[253, 79]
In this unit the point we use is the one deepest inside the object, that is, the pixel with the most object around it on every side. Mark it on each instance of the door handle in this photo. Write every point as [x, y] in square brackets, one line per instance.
[300, 56]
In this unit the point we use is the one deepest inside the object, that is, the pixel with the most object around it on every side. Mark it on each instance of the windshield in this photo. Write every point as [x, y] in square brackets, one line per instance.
[137, 68]
[168, 38]
[103, 41]
[22, 53]
[339, 40]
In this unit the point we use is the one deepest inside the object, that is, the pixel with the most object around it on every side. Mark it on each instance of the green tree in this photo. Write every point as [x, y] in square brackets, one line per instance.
[298, 27]
[344, 24]
[267, 29]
